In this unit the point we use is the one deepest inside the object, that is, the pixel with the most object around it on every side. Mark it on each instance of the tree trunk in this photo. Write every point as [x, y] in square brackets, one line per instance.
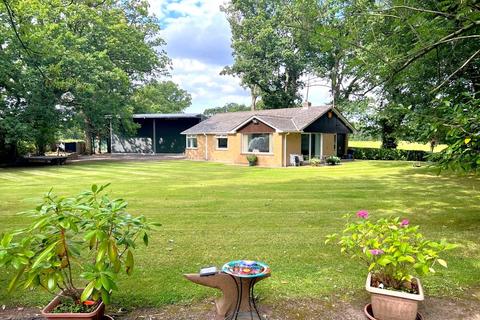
[88, 142]
[254, 93]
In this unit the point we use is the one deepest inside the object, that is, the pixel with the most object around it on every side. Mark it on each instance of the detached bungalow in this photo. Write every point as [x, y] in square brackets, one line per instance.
[275, 136]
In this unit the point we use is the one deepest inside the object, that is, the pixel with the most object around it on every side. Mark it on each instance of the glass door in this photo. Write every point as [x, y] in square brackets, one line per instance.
[312, 145]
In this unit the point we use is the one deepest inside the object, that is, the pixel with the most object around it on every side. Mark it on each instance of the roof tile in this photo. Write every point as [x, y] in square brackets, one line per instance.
[287, 120]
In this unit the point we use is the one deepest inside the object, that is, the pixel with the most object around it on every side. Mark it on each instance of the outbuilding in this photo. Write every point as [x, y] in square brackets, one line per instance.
[157, 133]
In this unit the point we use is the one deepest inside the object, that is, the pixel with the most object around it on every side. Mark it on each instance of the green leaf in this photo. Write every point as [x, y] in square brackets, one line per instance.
[383, 261]
[7, 238]
[112, 251]
[94, 188]
[129, 262]
[44, 254]
[116, 266]
[406, 258]
[442, 262]
[106, 283]
[89, 235]
[51, 283]
[93, 241]
[145, 239]
[14, 281]
[105, 297]
[87, 292]
[451, 246]
[30, 280]
[103, 187]
[101, 251]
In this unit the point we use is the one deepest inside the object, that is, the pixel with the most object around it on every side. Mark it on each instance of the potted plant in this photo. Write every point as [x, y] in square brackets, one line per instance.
[252, 159]
[87, 239]
[393, 252]
[332, 160]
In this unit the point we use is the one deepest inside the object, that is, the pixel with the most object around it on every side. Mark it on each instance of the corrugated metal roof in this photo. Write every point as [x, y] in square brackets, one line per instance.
[286, 120]
[167, 115]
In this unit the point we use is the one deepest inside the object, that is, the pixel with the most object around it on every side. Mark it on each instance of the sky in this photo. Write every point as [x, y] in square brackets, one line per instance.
[198, 41]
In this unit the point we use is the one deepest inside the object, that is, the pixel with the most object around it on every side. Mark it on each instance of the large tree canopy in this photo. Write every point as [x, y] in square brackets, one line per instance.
[266, 50]
[229, 107]
[160, 97]
[431, 59]
[72, 63]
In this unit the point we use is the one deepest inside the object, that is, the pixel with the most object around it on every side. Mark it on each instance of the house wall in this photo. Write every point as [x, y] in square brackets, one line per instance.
[326, 124]
[258, 127]
[329, 145]
[234, 152]
[235, 155]
[214, 154]
[294, 145]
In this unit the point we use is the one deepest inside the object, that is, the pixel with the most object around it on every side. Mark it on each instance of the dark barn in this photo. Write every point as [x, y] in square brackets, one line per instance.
[158, 133]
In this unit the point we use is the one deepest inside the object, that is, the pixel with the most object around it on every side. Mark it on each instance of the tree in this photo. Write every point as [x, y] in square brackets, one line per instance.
[229, 107]
[79, 64]
[266, 53]
[160, 97]
[431, 59]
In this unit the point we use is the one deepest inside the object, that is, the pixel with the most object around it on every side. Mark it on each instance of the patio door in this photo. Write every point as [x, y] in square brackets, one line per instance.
[312, 144]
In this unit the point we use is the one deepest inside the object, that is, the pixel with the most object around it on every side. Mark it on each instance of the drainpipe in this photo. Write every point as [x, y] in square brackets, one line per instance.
[206, 146]
[285, 149]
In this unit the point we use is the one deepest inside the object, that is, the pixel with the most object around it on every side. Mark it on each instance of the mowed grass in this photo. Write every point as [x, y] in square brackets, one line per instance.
[404, 145]
[212, 213]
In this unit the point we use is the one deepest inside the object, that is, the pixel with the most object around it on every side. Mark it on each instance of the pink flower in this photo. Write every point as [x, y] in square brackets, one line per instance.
[376, 252]
[362, 214]
[405, 223]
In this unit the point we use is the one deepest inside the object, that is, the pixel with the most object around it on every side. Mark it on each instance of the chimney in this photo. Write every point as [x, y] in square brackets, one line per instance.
[306, 105]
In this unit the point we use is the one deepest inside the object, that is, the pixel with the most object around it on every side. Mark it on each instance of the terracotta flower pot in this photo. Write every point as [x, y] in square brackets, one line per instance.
[394, 305]
[96, 314]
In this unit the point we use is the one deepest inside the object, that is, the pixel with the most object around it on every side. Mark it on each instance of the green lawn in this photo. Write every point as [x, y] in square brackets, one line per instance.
[404, 145]
[213, 213]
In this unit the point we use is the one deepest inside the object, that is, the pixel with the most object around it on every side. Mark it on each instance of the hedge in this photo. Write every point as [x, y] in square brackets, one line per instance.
[389, 154]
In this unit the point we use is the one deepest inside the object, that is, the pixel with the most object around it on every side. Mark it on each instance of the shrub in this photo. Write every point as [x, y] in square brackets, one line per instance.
[333, 160]
[390, 154]
[315, 162]
[391, 249]
[90, 233]
[252, 159]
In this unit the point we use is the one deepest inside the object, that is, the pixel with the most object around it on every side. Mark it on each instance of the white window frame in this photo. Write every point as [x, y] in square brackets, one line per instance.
[245, 144]
[224, 136]
[189, 138]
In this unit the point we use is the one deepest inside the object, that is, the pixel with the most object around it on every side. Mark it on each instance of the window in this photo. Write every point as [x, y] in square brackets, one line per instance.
[222, 142]
[257, 143]
[191, 142]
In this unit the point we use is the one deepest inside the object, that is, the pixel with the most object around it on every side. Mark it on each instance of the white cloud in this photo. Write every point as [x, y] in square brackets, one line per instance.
[198, 42]
[207, 86]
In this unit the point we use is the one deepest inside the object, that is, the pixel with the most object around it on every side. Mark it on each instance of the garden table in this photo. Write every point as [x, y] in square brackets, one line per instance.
[236, 280]
[245, 274]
